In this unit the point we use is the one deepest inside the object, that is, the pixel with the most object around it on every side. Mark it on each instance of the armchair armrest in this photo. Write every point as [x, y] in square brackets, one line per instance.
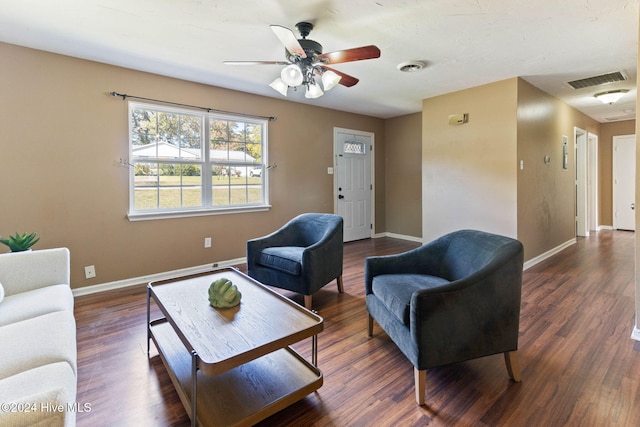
[485, 304]
[25, 271]
[323, 259]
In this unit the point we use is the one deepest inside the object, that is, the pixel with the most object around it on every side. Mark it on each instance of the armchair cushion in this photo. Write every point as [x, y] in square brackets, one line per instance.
[287, 259]
[395, 291]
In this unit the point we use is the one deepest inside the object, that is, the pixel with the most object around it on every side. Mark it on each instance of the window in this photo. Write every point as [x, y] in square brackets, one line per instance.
[186, 162]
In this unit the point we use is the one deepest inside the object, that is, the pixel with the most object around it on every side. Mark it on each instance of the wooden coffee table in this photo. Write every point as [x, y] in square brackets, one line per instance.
[232, 366]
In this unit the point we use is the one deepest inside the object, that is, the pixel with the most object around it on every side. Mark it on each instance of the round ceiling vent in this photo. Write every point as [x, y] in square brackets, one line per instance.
[411, 66]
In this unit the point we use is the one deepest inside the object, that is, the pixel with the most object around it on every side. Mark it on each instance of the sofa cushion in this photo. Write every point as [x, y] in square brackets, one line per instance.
[46, 389]
[38, 341]
[37, 302]
[28, 270]
[395, 291]
[287, 259]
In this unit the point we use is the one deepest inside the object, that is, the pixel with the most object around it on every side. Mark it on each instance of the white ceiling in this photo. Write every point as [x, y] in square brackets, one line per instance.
[465, 43]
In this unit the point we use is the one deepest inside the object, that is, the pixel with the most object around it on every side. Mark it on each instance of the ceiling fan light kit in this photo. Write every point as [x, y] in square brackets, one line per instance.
[313, 91]
[280, 86]
[292, 75]
[330, 80]
[306, 61]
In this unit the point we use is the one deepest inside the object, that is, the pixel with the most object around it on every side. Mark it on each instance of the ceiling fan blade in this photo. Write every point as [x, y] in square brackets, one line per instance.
[346, 79]
[349, 55]
[255, 63]
[289, 40]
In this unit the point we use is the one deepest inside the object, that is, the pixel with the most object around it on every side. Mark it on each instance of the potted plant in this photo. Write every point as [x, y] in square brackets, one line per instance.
[19, 243]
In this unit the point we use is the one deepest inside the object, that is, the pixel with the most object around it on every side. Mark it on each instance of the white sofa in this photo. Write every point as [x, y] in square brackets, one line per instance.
[38, 356]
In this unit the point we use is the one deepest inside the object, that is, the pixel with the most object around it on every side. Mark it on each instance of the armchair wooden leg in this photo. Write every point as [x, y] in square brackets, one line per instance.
[513, 365]
[340, 286]
[307, 302]
[421, 384]
[370, 325]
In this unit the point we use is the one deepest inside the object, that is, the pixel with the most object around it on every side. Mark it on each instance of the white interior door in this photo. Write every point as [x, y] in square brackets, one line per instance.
[624, 177]
[353, 182]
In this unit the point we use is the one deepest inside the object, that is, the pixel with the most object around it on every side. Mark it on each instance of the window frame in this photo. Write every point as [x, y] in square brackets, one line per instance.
[205, 162]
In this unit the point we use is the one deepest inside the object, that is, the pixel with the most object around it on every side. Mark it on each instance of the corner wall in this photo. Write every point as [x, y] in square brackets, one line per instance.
[403, 189]
[546, 192]
[469, 173]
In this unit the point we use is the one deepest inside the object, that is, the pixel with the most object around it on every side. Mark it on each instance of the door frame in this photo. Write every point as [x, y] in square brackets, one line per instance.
[372, 159]
[581, 206]
[592, 181]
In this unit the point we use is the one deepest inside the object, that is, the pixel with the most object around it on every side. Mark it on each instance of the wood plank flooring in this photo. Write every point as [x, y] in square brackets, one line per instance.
[579, 365]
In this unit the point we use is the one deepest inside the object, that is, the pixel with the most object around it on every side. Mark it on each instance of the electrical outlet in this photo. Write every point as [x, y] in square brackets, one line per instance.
[89, 272]
[207, 242]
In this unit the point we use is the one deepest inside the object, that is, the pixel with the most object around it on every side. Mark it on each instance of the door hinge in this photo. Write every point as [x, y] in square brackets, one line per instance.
[370, 226]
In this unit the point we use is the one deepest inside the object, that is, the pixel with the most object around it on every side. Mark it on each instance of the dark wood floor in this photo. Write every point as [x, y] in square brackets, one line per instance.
[579, 365]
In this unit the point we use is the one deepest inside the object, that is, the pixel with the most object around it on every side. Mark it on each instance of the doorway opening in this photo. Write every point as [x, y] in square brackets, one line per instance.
[586, 163]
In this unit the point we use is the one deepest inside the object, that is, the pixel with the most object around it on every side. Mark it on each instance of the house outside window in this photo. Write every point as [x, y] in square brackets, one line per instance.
[188, 163]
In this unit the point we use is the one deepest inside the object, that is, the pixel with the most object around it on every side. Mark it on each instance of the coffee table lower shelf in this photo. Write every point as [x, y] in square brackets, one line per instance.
[243, 395]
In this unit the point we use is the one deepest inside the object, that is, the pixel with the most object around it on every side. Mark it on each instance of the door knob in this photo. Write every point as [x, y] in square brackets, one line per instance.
[340, 196]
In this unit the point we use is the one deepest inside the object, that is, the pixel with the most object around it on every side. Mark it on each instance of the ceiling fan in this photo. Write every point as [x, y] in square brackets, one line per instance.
[305, 61]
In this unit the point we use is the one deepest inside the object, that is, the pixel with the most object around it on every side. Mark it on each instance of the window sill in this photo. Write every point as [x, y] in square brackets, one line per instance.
[147, 216]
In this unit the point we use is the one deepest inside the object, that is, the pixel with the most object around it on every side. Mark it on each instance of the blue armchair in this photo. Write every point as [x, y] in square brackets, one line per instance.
[302, 256]
[454, 299]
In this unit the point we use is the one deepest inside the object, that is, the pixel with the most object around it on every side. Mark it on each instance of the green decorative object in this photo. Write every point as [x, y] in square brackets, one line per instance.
[224, 294]
[19, 243]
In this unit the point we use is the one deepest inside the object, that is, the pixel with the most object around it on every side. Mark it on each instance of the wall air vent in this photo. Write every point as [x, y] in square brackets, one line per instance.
[617, 76]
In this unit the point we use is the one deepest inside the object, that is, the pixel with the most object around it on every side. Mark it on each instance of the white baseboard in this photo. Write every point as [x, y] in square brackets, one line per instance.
[604, 227]
[118, 284]
[398, 236]
[635, 335]
[549, 253]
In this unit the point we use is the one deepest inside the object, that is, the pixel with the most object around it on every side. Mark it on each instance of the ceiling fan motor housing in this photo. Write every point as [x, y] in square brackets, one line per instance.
[311, 48]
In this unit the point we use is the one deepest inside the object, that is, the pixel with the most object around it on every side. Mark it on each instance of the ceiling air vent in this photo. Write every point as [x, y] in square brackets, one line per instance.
[618, 76]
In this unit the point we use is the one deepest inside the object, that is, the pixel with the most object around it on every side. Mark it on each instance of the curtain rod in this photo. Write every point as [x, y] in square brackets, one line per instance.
[207, 109]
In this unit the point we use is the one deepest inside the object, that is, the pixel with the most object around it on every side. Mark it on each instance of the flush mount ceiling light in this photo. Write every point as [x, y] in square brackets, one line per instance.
[411, 66]
[305, 62]
[610, 96]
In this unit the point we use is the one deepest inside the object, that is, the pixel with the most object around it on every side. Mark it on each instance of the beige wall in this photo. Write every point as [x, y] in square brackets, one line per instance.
[605, 166]
[403, 189]
[61, 136]
[469, 171]
[546, 192]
